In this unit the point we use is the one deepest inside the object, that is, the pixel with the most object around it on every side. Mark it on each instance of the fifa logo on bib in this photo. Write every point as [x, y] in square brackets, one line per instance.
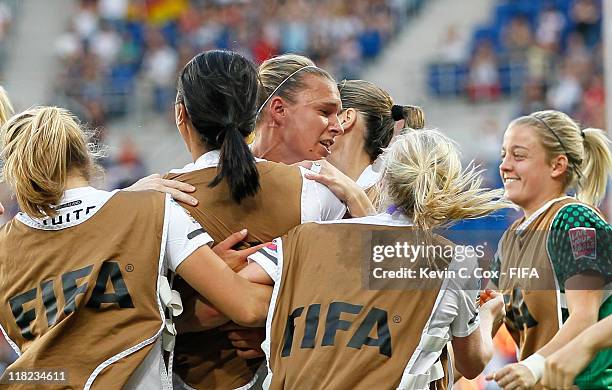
[375, 321]
[109, 273]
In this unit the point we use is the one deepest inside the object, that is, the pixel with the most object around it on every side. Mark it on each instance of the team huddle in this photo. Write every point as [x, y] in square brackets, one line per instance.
[244, 269]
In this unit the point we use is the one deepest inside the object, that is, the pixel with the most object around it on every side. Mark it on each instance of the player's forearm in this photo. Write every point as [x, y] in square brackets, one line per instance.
[257, 309]
[574, 326]
[487, 324]
[597, 336]
[205, 317]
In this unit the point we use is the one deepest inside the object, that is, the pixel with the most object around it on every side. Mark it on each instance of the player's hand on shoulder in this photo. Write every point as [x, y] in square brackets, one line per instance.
[345, 189]
[177, 189]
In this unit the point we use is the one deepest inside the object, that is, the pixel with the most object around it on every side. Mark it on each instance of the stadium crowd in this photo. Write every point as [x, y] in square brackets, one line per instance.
[546, 53]
[111, 46]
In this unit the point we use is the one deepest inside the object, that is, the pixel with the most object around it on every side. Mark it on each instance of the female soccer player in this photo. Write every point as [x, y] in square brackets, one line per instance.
[83, 270]
[298, 120]
[215, 113]
[564, 239]
[368, 118]
[347, 335]
[298, 111]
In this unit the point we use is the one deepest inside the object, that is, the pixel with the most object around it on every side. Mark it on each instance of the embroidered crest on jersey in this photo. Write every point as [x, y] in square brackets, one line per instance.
[584, 243]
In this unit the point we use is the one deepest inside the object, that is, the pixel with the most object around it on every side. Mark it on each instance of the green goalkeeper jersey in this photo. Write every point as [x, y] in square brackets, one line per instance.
[581, 241]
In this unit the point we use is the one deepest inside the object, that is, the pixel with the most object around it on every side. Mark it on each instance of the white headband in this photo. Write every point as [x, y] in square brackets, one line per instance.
[278, 87]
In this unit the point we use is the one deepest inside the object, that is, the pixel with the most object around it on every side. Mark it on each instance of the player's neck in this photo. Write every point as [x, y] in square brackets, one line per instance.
[270, 147]
[76, 181]
[198, 150]
[353, 165]
[350, 157]
[535, 205]
[277, 153]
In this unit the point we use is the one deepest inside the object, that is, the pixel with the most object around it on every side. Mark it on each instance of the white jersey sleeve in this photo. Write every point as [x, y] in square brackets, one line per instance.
[269, 258]
[458, 306]
[455, 315]
[184, 236]
[318, 202]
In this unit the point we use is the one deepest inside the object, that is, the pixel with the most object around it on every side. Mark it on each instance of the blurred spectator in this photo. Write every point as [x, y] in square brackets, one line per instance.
[265, 43]
[68, 44]
[160, 64]
[483, 83]
[452, 49]
[86, 19]
[6, 19]
[533, 97]
[126, 168]
[489, 152]
[539, 60]
[576, 50]
[586, 15]
[113, 10]
[518, 37]
[550, 25]
[592, 110]
[106, 43]
[294, 30]
[565, 94]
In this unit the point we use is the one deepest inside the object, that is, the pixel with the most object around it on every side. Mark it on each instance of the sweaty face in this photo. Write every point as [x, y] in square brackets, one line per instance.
[312, 120]
[525, 169]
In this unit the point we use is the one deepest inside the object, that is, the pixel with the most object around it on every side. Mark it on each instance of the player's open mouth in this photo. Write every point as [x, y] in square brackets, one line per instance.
[327, 144]
[508, 179]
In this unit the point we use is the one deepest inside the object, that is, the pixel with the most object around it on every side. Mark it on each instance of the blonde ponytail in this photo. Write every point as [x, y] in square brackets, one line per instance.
[596, 166]
[40, 148]
[425, 179]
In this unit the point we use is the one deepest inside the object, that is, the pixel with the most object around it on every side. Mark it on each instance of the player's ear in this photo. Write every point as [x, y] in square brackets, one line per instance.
[348, 118]
[277, 109]
[559, 166]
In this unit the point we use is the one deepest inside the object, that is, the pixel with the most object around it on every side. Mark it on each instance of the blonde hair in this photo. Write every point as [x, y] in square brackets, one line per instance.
[424, 178]
[6, 108]
[40, 147]
[587, 151]
[376, 106]
[275, 71]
